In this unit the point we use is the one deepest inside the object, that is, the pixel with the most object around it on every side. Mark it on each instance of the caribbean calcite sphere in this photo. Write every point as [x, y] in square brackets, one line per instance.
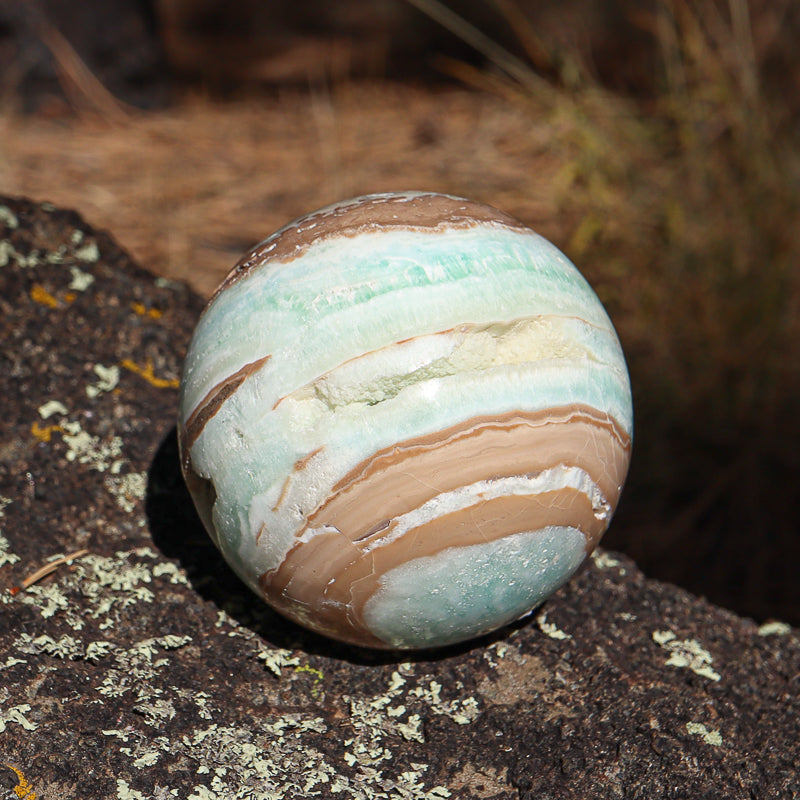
[405, 420]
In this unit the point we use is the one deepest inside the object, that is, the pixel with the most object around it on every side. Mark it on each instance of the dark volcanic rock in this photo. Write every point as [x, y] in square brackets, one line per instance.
[142, 669]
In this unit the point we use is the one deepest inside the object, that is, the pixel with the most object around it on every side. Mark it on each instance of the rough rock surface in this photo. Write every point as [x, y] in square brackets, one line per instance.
[142, 669]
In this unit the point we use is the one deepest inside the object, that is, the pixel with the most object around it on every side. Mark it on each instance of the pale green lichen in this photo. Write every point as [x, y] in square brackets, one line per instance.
[200, 699]
[81, 280]
[6, 251]
[276, 659]
[271, 759]
[9, 253]
[708, 735]
[144, 748]
[176, 575]
[65, 647]
[166, 283]
[8, 218]
[147, 760]
[463, 711]
[124, 791]
[772, 628]
[16, 714]
[604, 560]
[686, 653]
[484, 782]
[379, 718]
[135, 672]
[374, 719]
[128, 490]
[49, 599]
[278, 757]
[173, 641]
[56, 256]
[91, 450]
[102, 455]
[108, 378]
[88, 253]
[550, 629]
[155, 711]
[6, 556]
[106, 586]
[498, 649]
[46, 410]
[97, 650]
[11, 661]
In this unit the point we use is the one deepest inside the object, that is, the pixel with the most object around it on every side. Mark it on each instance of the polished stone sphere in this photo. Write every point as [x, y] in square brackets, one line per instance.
[405, 420]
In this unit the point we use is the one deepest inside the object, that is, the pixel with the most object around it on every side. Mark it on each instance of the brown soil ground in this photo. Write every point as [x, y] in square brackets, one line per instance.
[188, 190]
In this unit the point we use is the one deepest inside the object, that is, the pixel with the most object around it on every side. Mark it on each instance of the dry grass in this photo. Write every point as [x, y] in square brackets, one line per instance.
[691, 211]
[187, 191]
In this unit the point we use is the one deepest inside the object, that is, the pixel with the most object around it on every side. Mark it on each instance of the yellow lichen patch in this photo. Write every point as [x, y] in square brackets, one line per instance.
[143, 311]
[41, 296]
[43, 434]
[146, 372]
[317, 675]
[23, 789]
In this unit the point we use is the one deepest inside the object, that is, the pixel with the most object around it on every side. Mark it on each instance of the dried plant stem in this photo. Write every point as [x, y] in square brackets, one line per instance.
[77, 79]
[46, 570]
[497, 54]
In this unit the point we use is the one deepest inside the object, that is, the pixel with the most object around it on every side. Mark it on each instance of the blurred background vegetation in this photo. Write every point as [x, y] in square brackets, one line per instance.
[655, 141]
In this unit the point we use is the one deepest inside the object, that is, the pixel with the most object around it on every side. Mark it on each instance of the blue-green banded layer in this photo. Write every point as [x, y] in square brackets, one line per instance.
[344, 297]
[464, 592]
